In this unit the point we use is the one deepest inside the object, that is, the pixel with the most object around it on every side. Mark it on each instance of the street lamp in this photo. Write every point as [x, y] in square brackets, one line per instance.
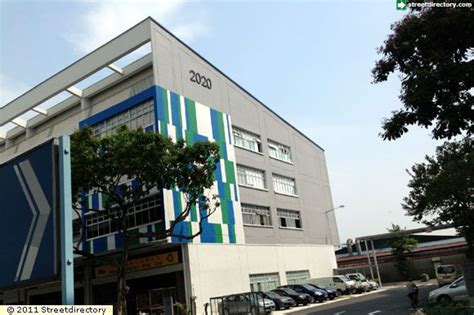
[327, 220]
[330, 210]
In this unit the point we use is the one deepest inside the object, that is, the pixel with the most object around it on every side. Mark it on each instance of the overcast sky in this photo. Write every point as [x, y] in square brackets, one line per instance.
[310, 61]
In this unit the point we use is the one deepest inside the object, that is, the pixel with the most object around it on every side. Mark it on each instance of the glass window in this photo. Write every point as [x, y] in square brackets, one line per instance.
[284, 185]
[145, 211]
[252, 177]
[297, 277]
[264, 282]
[247, 140]
[289, 218]
[139, 116]
[279, 151]
[256, 215]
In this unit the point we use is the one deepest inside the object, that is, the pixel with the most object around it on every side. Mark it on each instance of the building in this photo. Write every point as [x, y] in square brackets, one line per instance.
[430, 252]
[273, 226]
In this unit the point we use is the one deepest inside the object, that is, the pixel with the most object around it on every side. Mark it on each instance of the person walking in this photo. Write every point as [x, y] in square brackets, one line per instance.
[412, 293]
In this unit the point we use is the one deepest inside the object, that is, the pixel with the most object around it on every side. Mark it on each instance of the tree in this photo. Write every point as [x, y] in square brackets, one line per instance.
[401, 245]
[432, 49]
[442, 191]
[152, 162]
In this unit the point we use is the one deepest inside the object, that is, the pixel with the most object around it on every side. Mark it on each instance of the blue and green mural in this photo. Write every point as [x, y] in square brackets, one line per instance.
[179, 117]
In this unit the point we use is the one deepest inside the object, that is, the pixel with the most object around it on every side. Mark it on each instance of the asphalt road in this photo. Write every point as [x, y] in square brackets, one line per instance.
[392, 301]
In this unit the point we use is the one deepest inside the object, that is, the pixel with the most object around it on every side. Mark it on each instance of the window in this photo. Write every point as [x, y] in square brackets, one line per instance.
[256, 215]
[146, 210]
[289, 218]
[284, 185]
[297, 277]
[247, 140]
[264, 282]
[251, 177]
[279, 151]
[139, 116]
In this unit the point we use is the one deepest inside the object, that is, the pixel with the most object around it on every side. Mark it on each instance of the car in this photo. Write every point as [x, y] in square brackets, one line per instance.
[361, 283]
[281, 301]
[316, 294]
[373, 285]
[331, 293]
[299, 298]
[446, 274]
[245, 303]
[456, 291]
[339, 283]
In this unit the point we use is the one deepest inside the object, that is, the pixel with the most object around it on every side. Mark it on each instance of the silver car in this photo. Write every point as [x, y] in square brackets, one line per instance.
[456, 291]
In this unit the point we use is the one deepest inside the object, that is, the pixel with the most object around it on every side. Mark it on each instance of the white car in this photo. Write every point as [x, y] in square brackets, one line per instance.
[456, 291]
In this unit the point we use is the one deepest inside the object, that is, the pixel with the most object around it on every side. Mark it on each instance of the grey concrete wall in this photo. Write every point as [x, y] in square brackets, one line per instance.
[173, 62]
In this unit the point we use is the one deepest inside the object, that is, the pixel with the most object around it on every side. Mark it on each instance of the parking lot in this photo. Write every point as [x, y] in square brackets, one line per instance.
[390, 299]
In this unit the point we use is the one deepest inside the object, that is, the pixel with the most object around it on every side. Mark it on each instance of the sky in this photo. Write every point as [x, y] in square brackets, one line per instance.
[310, 61]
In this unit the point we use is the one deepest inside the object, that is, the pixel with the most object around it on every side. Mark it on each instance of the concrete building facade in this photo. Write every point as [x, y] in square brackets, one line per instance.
[272, 226]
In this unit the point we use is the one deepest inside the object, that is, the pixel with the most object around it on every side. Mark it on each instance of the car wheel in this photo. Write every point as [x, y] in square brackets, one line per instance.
[444, 299]
[313, 300]
[339, 292]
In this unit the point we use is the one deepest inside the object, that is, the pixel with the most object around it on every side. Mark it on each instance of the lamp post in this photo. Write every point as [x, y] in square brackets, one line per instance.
[327, 220]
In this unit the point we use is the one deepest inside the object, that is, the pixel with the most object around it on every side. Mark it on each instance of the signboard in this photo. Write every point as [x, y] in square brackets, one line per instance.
[154, 261]
[28, 211]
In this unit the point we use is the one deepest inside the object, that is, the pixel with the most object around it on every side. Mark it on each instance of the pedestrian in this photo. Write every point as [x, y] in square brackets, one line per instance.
[412, 293]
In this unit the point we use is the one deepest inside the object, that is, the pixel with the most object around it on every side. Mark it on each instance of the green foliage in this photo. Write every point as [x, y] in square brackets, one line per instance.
[432, 51]
[400, 246]
[105, 164]
[442, 189]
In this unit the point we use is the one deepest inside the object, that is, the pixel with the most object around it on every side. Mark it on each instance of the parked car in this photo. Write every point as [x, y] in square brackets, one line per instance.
[316, 294]
[446, 274]
[456, 291]
[331, 293]
[361, 283]
[341, 284]
[373, 284]
[300, 298]
[245, 303]
[281, 301]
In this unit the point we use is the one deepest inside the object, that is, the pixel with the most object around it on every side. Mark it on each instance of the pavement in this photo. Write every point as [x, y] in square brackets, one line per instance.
[391, 299]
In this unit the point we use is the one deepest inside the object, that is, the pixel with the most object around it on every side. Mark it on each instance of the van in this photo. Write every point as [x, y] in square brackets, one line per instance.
[361, 283]
[340, 284]
[445, 274]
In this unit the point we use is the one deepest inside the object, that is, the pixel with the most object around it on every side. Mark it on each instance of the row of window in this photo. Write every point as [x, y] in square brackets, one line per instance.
[251, 141]
[261, 216]
[269, 281]
[146, 210]
[255, 178]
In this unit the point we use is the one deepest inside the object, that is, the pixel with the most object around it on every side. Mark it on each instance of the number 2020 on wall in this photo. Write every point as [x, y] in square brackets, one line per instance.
[199, 79]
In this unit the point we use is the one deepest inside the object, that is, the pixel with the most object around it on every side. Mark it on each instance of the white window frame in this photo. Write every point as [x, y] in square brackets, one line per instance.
[284, 185]
[264, 281]
[246, 140]
[251, 177]
[255, 215]
[279, 151]
[297, 277]
[138, 116]
[292, 219]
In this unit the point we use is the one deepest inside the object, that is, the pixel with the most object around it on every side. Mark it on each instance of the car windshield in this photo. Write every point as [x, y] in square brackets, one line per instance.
[459, 281]
[308, 287]
[361, 277]
[344, 278]
[445, 269]
[272, 295]
[353, 277]
[289, 291]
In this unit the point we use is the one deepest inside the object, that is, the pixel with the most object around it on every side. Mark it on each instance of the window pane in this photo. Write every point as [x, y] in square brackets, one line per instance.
[247, 140]
[250, 177]
[279, 151]
[284, 185]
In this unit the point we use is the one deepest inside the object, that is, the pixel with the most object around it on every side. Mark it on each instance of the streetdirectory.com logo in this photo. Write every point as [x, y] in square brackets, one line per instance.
[401, 4]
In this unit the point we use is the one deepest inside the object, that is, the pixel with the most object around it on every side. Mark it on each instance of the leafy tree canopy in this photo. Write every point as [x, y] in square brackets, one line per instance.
[432, 50]
[400, 246]
[442, 190]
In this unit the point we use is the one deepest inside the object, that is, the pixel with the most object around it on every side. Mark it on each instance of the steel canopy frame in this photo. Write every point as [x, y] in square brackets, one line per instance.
[103, 56]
